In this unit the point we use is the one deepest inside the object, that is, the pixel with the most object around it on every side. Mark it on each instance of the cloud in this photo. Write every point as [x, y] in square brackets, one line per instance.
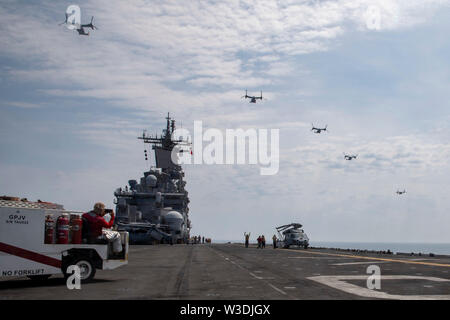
[21, 104]
[149, 54]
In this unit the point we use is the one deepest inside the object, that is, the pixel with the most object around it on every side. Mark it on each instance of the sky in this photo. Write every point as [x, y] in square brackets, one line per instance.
[375, 72]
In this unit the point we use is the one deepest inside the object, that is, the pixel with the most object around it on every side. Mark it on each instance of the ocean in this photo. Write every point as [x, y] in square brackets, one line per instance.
[436, 248]
[424, 248]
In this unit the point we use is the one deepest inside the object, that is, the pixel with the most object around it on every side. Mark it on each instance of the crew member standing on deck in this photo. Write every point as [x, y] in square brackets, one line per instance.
[274, 238]
[259, 242]
[263, 241]
[247, 237]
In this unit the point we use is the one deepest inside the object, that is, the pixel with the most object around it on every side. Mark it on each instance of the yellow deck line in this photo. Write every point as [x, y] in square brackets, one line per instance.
[372, 258]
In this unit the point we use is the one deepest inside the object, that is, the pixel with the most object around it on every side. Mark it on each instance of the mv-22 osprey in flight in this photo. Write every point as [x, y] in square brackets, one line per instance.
[252, 98]
[349, 157]
[73, 20]
[318, 130]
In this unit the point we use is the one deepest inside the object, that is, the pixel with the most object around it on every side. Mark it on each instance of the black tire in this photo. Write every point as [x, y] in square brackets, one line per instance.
[87, 269]
[42, 277]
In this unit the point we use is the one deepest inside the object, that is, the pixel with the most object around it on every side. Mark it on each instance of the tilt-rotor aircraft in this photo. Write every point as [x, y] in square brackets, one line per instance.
[73, 21]
[318, 130]
[252, 98]
[350, 157]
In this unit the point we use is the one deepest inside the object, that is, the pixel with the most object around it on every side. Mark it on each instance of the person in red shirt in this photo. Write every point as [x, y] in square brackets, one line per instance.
[97, 223]
[96, 220]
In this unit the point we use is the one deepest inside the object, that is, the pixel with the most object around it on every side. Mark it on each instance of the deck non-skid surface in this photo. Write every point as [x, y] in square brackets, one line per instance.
[230, 271]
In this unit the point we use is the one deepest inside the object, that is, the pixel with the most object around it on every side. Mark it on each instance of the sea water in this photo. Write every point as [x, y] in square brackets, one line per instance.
[406, 247]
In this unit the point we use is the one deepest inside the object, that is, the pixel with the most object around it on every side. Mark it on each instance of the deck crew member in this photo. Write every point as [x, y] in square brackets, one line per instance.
[274, 238]
[247, 237]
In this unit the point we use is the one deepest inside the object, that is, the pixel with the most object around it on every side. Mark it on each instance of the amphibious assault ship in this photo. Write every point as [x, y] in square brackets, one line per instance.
[155, 210]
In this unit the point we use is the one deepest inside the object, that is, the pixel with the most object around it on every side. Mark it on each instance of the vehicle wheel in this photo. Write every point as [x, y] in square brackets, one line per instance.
[87, 269]
[306, 246]
[40, 277]
[286, 246]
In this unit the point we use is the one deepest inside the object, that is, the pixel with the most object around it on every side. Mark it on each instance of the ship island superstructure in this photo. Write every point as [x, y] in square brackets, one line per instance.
[155, 210]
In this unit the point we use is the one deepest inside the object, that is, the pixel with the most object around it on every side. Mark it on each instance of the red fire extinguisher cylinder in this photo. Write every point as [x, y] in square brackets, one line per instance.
[49, 229]
[75, 225]
[62, 228]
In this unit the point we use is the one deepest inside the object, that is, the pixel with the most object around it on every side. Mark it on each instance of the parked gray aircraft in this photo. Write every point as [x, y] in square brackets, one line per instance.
[292, 235]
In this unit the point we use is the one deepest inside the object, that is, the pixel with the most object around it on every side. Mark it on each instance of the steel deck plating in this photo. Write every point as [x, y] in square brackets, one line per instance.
[230, 271]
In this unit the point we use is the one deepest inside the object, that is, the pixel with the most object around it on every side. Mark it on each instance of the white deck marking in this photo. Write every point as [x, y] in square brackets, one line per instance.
[338, 282]
[261, 278]
[362, 262]
[279, 290]
[289, 288]
[253, 275]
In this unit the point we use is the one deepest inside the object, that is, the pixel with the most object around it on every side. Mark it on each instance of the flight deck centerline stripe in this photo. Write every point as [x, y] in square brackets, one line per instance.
[372, 258]
[30, 255]
[277, 289]
[255, 276]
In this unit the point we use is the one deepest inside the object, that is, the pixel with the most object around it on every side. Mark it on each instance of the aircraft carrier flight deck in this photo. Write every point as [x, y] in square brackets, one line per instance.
[231, 271]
